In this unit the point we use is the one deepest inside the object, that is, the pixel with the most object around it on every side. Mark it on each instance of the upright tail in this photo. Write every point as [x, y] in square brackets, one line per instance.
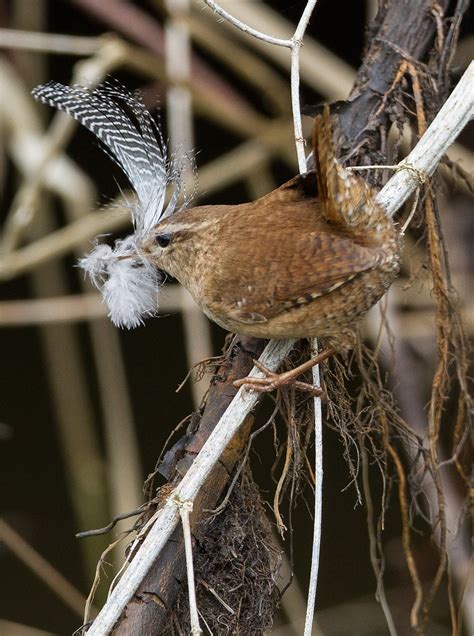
[346, 199]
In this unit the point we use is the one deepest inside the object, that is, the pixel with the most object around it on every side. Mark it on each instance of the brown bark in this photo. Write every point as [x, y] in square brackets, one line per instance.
[402, 30]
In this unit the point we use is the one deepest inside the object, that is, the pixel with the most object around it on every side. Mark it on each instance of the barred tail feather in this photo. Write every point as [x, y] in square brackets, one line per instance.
[128, 132]
[343, 194]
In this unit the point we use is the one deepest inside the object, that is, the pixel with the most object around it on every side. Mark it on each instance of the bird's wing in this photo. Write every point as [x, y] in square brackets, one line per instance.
[316, 264]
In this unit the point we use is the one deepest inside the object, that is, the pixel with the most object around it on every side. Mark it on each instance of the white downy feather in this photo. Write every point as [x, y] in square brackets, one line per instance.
[127, 281]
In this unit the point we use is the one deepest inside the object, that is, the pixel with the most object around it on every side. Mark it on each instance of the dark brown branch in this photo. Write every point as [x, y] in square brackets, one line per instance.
[402, 31]
[148, 611]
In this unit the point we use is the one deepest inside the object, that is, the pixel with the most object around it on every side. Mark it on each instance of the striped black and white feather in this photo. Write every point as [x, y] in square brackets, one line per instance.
[131, 137]
[127, 281]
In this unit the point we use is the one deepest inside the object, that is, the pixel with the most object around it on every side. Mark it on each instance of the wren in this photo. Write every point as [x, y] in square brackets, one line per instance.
[306, 260]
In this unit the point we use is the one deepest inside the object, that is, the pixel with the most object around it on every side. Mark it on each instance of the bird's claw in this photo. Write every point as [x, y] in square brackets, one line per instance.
[272, 381]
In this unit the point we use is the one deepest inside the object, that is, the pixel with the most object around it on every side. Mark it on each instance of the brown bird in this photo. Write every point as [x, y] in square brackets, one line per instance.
[306, 260]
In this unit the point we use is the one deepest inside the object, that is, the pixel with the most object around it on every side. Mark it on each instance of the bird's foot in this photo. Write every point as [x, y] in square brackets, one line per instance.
[272, 380]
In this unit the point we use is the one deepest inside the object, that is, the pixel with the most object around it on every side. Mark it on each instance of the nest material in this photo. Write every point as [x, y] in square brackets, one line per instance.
[236, 569]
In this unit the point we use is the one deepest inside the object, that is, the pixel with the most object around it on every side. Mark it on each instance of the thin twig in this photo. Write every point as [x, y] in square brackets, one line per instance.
[109, 526]
[318, 499]
[377, 562]
[96, 581]
[406, 542]
[185, 508]
[330, 77]
[212, 591]
[296, 44]
[246, 28]
[278, 490]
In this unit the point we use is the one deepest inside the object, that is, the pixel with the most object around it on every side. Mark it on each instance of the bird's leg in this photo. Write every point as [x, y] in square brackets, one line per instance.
[273, 380]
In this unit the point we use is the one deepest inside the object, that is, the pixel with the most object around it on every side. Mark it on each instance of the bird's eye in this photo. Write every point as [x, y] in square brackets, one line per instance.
[163, 240]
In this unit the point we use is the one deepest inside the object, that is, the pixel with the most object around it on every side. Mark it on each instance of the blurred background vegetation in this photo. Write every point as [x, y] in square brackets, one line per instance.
[85, 409]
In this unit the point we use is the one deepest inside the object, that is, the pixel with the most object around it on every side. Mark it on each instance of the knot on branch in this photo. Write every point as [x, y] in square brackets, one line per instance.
[419, 175]
[296, 43]
[185, 505]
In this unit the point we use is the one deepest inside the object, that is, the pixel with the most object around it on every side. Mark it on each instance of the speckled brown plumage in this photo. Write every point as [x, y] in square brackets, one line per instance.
[307, 259]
